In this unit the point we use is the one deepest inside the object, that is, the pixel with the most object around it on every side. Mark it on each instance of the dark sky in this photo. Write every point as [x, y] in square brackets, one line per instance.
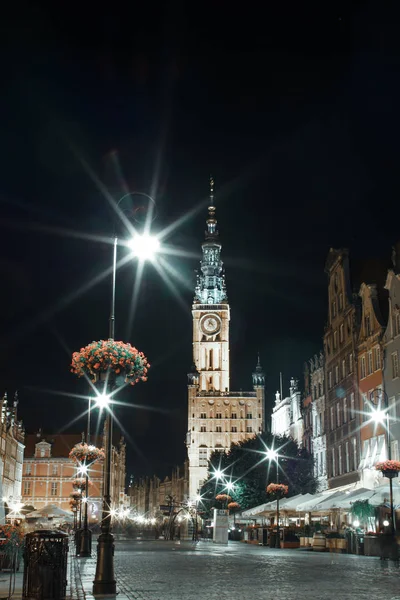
[295, 111]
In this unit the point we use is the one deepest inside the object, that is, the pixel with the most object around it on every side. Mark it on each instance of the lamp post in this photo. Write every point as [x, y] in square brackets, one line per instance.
[85, 549]
[104, 584]
[380, 414]
[271, 454]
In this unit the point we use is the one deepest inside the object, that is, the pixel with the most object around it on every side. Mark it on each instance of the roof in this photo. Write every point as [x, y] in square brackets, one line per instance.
[61, 443]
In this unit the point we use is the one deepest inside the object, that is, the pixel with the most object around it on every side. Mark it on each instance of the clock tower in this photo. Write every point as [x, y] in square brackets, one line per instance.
[217, 417]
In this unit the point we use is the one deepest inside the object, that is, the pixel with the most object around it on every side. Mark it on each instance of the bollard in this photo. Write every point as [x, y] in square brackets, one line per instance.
[45, 568]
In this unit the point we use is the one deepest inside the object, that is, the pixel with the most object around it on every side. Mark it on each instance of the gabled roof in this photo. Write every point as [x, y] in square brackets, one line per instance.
[61, 443]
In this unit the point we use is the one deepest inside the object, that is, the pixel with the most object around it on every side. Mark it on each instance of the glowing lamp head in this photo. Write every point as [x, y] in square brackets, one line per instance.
[271, 454]
[356, 523]
[144, 246]
[386, 523]
[103, 400]
[198, 498]
[83, 469]
[378, 416]
[218, 474]
[229, 486]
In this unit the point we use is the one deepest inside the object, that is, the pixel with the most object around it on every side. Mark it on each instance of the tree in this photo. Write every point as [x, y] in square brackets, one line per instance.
[245, 465]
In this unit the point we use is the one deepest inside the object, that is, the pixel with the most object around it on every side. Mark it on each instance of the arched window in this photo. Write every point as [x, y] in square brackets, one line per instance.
[211, 359]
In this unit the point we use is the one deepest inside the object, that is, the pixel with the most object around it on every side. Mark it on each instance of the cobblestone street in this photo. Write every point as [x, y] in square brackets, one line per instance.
[173, 571]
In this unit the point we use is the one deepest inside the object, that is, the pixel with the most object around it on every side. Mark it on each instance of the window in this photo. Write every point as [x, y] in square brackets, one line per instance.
[42, 452]
[55, 469]
[27, 488]
[315, 392]
[370, 365]
[354, 441]
[333, 309]
[352, 408]
[203, 415]
[341, 333]
[344, 410]
[350, 362]
[203, 460]
[397, 323]
[367, 326]
[316, 464]
[343, 369]
[377, 353]
[347, 466]
[28, 469]
[362, 367]
[330, 379]
[203, 429]
[366, 409]
[321, 429]
[332, 419]
[54, 488]
[394, 447]
[218, 429]
[395, 365]
[249, 429]
[339, 460]
[320, 389]
[341, 301]
[333, 463]
[218, 416]
[336, 374]
[249, 416]
[234, 416]
[335, 340]
[211, 359]
[338, 419]
[234, 429]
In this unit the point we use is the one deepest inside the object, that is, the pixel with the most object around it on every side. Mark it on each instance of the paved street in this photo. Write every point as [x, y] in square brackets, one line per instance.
[170, 571]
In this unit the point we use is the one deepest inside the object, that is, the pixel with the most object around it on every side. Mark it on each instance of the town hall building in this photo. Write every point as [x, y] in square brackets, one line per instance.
[217, 417]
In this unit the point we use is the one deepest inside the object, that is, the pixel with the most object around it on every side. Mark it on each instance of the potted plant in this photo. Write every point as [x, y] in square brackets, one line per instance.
[86, 454]
[388, 468]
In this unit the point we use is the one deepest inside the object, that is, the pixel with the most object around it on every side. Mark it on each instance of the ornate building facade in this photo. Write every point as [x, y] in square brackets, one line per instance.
[370, 383]
[48, 473]
[391, 357]
[11, 450]
[340, 347]
[217, 417]
[287, 417]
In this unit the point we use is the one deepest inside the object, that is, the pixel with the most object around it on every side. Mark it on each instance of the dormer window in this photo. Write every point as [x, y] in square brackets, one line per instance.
[43, 450]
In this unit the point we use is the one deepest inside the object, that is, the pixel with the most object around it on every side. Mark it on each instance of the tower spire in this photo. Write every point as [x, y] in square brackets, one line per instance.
[210, 285]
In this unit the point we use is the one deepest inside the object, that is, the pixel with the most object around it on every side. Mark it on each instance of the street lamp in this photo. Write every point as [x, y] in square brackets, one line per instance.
[380, 414]
[144, 247]
[272, 455]
[85, 548]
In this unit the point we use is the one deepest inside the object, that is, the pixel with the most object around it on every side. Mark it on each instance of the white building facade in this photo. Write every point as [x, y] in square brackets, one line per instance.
[217, 417]
[317, 381]
[287, 418]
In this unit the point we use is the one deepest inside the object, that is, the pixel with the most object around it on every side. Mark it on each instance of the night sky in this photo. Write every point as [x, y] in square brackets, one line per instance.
[294, 109]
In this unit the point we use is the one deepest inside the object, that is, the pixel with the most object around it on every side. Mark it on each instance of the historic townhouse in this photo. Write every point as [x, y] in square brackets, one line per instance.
[318, 420]
[391, 358]
[146, 495]
[11, 450]
[370, 382]
[342, 418]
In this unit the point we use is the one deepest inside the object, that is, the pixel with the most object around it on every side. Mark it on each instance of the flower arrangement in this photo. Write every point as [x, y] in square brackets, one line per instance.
[11, 542]
[388, 465]
[80, 483]
[118, 357]
[83, 453]
[278, 489]
[73, 503]
[223, 498]
[233, 506]
[76, 495]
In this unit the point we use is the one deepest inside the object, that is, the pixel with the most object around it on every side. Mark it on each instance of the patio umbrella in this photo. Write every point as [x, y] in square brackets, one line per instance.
[50, 511]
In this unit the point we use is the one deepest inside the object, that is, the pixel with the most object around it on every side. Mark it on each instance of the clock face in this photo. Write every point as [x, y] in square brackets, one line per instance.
[210, 324]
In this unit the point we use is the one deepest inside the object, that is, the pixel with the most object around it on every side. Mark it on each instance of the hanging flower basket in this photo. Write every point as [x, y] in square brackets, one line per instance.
[233, 506]
[277, 489]
[86, 454]
[223, 498]
[80, 483]
[73, 503]
[103, 357]
[388, 468]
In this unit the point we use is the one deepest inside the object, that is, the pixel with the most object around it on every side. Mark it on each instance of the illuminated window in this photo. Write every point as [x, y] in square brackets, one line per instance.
[27, 488]
[55, 469]
[377, 358]
[54, 488]
[203, 456]
[362, 367]
[395, 365]
[28, 469]
[341, 333]
[370, 366]
[345, 410]
[352, 407]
